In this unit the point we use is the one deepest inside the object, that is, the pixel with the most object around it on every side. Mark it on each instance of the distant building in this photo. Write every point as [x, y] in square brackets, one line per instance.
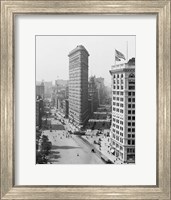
[48, 89]
[40, 90]
[39, 111]
[92, 95]
[99, 81]
[66, 108]
[123, 111]
[78, 86]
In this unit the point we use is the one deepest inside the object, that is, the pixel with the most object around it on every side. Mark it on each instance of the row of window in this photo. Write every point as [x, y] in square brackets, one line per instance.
[131, 93]
[118, 81]
[131, 123]
[117, 126]
[131, 130]
[131, 117]
[117, 121]
[130, 150]
[118, 76]
[131, 135]
[131, 87]
[121, 75]
[118, 132]
[117, 146]
[131, 105]
[131, 142]
[118, 110]
[118, 87]
[118, 99]
[117, 104]
[131, 112]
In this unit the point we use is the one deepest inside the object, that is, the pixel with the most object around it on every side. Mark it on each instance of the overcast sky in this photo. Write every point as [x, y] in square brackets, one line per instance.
[52, 60]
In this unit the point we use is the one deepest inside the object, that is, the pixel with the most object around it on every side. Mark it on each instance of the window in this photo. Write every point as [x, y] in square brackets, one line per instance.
[129, 111]
[133, 112]
[118, 76]
[129, 135]
[133, 106]
[131, 75]
[129, 129]
[121, 75]
[133, 142]
[129, 123]
[129, 105]
[133, 136]
[133, 118]
[117, 93]
[129, 142]
[129, 93]
[131, 87]
[121, 87]
[133, 100]
[133, 123]
[133, 130]
[129, 99]
[129, 117]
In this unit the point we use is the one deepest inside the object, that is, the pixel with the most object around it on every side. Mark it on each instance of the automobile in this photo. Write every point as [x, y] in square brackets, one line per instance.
[93, 151]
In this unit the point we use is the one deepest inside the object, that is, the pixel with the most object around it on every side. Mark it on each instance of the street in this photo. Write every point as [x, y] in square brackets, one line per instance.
[70, 149]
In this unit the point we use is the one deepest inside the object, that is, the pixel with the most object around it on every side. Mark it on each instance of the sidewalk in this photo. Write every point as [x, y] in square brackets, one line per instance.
[104, 148]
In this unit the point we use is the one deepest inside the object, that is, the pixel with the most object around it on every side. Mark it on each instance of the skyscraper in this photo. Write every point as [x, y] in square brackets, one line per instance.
[78, 86]
[123, 111]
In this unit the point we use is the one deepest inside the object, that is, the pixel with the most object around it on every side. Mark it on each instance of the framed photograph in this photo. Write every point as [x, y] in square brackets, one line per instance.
[85, 100]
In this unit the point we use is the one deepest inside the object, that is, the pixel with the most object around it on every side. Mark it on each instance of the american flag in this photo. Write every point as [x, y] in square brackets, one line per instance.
[119, 55]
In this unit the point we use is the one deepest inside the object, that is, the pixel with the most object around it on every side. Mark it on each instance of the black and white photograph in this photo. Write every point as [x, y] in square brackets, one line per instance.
[85, 99]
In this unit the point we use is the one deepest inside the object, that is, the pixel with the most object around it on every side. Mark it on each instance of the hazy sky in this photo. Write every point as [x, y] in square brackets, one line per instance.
[52, 61]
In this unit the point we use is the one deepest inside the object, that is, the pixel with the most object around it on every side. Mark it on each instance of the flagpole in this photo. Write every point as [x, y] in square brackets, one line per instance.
[115, 56]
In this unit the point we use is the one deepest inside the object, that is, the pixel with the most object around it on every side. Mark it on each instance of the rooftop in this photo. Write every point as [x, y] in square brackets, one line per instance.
[78, 48]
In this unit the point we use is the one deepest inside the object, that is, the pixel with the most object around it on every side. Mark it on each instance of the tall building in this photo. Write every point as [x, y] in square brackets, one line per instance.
[39, 111]
[78, 86]
[123, 111]
[48, 89]
[40, 90]
[101, 89]
[92, 95]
